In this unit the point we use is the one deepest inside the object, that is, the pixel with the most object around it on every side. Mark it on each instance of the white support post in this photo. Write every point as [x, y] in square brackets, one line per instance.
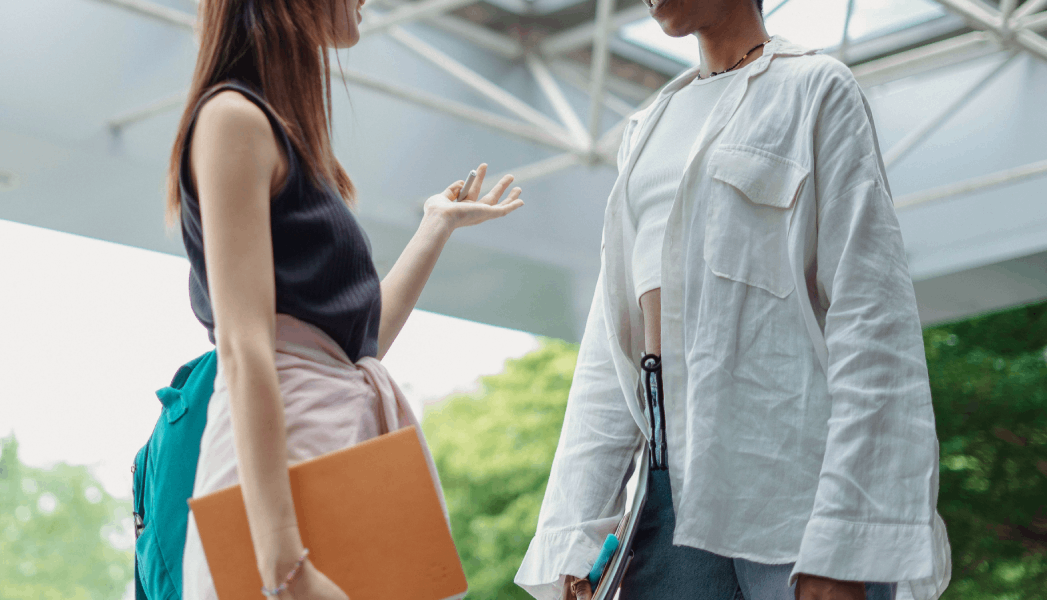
[555, 96]
[409, 12]
[480, 84]
[157, 12]
[542, 168]
[601, 64]
[117, 124]
[459, 110]
[582, 35]
[935, 121]
[977, 184]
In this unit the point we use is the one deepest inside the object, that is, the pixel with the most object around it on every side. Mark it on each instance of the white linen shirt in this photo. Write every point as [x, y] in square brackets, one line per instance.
[798, 409]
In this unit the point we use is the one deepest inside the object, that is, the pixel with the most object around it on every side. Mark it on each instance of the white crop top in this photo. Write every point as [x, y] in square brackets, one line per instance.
[659, 169]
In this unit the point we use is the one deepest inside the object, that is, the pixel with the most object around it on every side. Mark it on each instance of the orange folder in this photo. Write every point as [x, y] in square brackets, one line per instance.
[369, 515]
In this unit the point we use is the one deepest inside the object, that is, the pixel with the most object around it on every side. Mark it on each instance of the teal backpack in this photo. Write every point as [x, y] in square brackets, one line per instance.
[164, 471]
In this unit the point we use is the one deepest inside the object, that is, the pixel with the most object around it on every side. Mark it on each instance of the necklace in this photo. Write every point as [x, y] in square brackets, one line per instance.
[740, 61]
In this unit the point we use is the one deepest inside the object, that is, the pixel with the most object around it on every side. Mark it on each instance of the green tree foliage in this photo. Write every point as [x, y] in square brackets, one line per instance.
[494, 449]
[988, 376]
[55, 530]
[989, 380]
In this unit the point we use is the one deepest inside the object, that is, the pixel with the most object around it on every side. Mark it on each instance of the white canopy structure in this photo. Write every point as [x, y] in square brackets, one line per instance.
[91, 91]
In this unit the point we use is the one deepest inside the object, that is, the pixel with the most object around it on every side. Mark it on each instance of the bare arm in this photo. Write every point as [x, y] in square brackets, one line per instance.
[237, 166]
[651, 306]
[404, 283]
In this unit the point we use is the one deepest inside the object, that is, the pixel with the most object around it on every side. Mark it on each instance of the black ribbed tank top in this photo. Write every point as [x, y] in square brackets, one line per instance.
[325, 275]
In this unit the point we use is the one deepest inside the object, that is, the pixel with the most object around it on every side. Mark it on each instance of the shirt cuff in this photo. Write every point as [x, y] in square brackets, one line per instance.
[869, 552]
[555, 554]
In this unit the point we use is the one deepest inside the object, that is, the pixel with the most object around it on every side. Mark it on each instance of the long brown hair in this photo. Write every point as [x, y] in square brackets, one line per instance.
[280, 48]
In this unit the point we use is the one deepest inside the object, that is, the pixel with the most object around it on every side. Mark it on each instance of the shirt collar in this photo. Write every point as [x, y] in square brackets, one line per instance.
[778, 46]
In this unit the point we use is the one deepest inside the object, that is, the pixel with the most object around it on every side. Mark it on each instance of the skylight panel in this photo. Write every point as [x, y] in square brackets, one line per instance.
[878, 17]
[814, 24]
[810, 23]
[646, 33]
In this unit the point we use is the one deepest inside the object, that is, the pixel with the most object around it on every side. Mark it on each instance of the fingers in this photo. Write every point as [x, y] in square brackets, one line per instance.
[496, 193]
[582, 590]
[493, 197]
[478, 183]
[453, 190]
[513, 195]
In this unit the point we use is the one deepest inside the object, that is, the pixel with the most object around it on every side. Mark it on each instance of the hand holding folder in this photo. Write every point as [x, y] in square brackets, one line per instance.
[603, 582]
[369, 515]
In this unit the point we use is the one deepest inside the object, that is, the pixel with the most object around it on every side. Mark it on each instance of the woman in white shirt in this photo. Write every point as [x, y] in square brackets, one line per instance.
[751, 250]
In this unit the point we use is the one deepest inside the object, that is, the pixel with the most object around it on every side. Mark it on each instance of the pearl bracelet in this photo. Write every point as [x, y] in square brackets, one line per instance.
[272, 593]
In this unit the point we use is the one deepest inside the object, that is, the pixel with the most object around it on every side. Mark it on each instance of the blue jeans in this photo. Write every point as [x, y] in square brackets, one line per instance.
[660, 571]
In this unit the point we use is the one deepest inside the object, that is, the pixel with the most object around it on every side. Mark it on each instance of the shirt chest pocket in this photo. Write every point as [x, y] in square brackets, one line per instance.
[752, 193]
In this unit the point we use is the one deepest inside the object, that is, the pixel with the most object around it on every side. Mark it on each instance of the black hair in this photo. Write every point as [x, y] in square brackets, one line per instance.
[759, 6]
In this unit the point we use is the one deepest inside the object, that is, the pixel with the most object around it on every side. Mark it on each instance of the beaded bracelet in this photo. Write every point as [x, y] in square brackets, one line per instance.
[272, 593]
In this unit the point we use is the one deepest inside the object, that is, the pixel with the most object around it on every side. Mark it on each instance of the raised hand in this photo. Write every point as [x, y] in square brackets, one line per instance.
[473, 209]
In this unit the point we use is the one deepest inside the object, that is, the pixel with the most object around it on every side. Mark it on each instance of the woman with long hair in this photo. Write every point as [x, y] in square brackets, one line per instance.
[281, 271]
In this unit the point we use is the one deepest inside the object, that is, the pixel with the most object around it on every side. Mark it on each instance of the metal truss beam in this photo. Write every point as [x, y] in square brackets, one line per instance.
[583, 35]
[1029, 7]
[408, 12]
[576, 80]
[156, 12]
[1000, 22]
[479, 84]
[978, 14]
[1007, 8]
[845, 41]
[481, 36]
[932, 124]
[926, 58]
[601, 64]
[555, 95]
[775, 9]
[459, 110]
[118, 123]
[1036, 44]
[1033, 23]
[608, 143]
[627, 92]
[536, 170]
[977, 184]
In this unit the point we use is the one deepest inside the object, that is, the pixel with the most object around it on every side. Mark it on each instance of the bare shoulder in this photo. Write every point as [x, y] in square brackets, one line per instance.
[233, 119]
[233, 135]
